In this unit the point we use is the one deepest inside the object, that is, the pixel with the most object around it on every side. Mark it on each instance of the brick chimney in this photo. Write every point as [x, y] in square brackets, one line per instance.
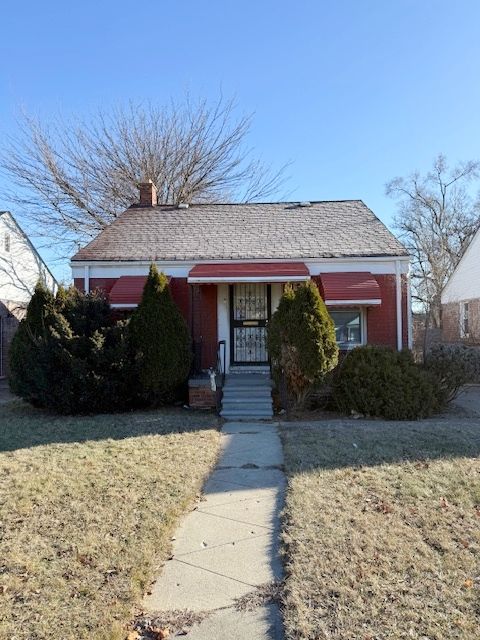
[148, 194]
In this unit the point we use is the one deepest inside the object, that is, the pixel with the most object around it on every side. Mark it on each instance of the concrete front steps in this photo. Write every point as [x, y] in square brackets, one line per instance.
[247, 396]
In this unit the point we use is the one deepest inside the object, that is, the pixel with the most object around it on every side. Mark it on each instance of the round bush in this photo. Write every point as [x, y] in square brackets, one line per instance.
[69, 358]
[378, 381]
[453, 365]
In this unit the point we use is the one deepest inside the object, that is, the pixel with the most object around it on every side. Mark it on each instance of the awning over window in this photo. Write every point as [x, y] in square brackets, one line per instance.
[249, 272]
[127, 291]
[356, 287]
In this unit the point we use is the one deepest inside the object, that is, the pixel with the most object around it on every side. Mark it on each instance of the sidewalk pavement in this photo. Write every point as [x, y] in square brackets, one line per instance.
[228, 546]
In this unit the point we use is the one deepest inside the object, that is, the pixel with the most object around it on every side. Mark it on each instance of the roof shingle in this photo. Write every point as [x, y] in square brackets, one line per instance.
[244, 231]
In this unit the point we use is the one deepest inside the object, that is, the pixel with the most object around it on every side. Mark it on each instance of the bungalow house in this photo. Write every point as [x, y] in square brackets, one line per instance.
[228, 264]
[21, 267]
[461, 298]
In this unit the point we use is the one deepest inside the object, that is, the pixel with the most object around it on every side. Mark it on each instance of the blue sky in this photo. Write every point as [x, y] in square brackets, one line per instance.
[353, 92]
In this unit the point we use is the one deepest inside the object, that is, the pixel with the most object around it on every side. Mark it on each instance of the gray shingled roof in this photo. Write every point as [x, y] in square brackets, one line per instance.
[244, 231]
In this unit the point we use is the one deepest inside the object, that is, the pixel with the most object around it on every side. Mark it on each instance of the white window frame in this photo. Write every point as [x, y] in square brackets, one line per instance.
[363, 326]
[464, 319]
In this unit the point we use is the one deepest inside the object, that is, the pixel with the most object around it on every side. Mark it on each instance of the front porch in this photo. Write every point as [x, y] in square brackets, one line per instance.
[229, 318]
[246, 296]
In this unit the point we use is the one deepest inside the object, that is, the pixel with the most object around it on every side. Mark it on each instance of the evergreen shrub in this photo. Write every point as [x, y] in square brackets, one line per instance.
[453, 365]
[378, 381]
[69, 358]
[161, 340]
[301, 340]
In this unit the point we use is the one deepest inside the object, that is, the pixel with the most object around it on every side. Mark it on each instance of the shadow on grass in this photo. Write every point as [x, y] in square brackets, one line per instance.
[22, 426]
[336, 444]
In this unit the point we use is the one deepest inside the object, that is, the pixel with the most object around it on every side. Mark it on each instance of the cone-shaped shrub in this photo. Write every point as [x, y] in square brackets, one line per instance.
[301, 339]
[34, 348]
[160, 336]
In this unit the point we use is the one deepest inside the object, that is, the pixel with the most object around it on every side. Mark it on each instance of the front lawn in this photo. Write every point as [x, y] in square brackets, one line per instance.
[87, 508]
[382, 530]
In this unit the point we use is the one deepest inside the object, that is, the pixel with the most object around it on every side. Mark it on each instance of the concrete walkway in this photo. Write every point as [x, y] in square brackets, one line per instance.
[228, 546]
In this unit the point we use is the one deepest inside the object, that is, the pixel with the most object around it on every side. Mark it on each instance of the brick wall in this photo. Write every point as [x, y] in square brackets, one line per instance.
[204, 314]
[382, 319]
[451, 322]
[181, 293]
[102, 284]
[202, 397]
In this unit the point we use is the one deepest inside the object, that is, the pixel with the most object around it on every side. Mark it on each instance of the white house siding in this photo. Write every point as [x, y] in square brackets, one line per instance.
[463, 288]
[20, 269]
[465, 281]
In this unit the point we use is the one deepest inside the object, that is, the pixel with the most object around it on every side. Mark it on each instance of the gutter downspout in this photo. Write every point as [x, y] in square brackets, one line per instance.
[398, 291]
[409, 311]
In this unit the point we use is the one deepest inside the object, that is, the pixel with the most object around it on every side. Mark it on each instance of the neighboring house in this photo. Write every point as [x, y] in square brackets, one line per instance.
[461, 298]
[228, 264]
[20, 269]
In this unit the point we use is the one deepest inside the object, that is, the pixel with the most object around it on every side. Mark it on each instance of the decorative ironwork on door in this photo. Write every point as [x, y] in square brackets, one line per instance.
[250, 310]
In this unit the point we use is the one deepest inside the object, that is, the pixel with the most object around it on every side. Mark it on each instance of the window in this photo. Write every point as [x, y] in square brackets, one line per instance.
[464, 328]
[292, 285]
[7, 242]
[348, 328]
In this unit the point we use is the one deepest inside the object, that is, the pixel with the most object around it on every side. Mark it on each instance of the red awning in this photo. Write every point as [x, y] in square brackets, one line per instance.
[249, 272]
[127, 291]
[356, 287]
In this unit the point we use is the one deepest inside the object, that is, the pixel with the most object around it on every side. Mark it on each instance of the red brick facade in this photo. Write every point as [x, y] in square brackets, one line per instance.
[382, 319]
[204, 315]
[202, 397]
[102, 284]
[198, 305]
[451, 322]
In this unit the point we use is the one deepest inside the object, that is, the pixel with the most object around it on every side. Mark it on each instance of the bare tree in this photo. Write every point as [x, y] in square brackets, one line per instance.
[70, 180]
[436, 217]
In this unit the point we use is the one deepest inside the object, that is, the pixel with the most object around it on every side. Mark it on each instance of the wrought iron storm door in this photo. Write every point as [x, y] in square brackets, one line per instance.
[250, 305]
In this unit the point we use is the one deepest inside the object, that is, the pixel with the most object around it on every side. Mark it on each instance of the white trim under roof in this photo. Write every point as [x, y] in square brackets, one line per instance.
[180, 269]
[194, 261]
[123, 305]
[235, 279]
[349, 303]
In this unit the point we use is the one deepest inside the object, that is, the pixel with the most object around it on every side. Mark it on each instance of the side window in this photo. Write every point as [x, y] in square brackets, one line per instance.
[464, 320]
[6, 243]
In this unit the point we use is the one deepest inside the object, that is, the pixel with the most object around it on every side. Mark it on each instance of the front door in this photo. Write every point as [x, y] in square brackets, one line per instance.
[249, 313]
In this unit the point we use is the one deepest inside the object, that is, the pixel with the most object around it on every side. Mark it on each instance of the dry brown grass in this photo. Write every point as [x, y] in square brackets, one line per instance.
[382, 530]
[87, 508]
